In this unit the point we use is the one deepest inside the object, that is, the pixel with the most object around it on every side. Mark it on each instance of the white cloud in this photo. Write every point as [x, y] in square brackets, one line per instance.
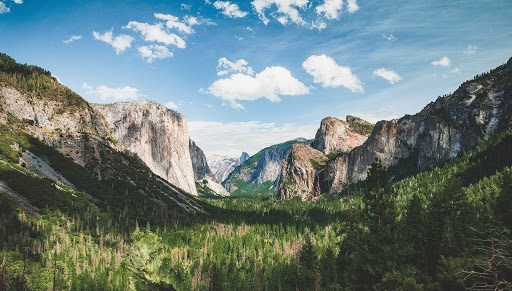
[329, 74]
[331, 9]
[72, 39]
[229, 9]
[153, 51]
[470, 50]
[119, 43]
[390, 76]
[18, 1]
[352, 6]
[455, 70]
[269, 83]
[442, 62]
[3, 8]
[156, 32]
[171, 105]
[225, 67]
[116, 94]
[232, 138]
[173, 22]
[287, 10]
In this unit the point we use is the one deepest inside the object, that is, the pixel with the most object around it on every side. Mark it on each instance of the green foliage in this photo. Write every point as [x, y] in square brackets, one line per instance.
[361, 128]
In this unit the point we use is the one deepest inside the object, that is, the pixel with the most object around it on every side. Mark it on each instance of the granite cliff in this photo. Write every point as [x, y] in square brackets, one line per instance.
[443, 129]
[260, 173]
[159, 136]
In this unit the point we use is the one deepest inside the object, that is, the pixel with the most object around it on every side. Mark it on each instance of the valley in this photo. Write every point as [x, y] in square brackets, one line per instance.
[118, 197]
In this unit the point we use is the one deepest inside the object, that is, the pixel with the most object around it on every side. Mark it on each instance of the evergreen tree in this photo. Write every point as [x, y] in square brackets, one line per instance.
[308, 266]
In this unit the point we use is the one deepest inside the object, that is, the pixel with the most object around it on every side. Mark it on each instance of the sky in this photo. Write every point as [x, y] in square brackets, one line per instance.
[250, 74]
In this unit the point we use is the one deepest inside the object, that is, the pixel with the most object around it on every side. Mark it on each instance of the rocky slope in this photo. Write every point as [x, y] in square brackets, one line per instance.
[260, 173]
[56, 150]
[202, 173]
[304, 172]
[159, 136]
[452, 124]
[222, 166]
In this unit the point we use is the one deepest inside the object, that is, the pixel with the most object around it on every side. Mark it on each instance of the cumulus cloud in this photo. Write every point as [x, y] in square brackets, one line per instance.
[470, 50]
[173, 22]
[156, 32]
[270, 83]
[72, 39]
[153, 51]
[225, 67]
[231, 138]
[3, 8]
[352, 6]
[18, 1]
[115, 94]
[120, 43]
[287, 10]
[388, 75]
[229, 9]
[328, 73]
[331, 8]
[442, 62]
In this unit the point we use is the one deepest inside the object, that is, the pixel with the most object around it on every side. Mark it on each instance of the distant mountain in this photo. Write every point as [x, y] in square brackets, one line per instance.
[206, 181]
[477, 110]
[222, 166]
[259, 174]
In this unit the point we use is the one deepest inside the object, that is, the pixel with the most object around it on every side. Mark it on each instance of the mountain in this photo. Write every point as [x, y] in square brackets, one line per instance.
[51, 137]
[259, 174]
[222, 166]
[452, 124]
[303, 171]
[159, 136]
[204, 177]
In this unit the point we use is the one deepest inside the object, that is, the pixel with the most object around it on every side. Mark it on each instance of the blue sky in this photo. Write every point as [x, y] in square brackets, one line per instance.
[249, 74]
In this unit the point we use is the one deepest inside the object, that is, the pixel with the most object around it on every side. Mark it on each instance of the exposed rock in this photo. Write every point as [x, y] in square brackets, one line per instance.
[202, 172]
[300, 175]
[159, 136]
[260, 173]
[335, 135]
[222, 166]
[442, 130]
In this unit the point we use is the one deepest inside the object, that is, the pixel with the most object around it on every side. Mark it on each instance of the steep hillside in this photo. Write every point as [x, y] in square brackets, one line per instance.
[52, 138]
[260, 173]
[442, 130]
[206, 181]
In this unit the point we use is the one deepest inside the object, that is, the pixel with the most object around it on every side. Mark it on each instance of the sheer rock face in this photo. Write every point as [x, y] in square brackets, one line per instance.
[335, 135]
[262, 167]
[442, 130]
[299, 175]
[78, 133]
[222, 166]
[202, 172]
[159, 137]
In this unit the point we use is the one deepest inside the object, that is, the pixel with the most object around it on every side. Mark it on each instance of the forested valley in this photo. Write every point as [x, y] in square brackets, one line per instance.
[444, 229]
[448, 228]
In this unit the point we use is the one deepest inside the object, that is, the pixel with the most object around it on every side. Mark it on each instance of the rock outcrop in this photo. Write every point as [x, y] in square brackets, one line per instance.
[159, 136]
[202, 173]
[304, 172]
[335, 135]
[222, 166]
[443, 129]
[260, 173]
